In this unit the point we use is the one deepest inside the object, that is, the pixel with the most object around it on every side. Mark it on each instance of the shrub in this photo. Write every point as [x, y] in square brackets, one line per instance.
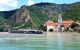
[78, 30]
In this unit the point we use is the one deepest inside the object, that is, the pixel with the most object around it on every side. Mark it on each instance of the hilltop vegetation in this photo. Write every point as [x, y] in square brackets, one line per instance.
[36, 15]
[73, 13]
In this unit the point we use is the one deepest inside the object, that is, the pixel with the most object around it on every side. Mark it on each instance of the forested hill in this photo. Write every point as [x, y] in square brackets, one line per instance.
[36, 15]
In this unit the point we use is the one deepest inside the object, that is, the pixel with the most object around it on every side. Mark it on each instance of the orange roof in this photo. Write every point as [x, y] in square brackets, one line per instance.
[67, 21]
[64, 23]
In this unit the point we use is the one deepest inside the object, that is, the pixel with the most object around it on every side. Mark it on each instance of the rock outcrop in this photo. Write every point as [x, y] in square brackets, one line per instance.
[22, 16]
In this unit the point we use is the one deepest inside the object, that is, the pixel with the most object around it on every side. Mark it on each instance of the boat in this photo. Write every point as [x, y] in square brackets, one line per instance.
[26, 31]
[33, 32]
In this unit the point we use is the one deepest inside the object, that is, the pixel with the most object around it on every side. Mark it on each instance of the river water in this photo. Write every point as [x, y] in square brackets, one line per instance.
[46, 41]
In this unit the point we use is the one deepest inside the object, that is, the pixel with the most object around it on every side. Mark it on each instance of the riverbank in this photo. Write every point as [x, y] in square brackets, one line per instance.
[43, 32]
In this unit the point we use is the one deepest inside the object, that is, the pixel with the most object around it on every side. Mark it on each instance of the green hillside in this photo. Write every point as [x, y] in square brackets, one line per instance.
[37, 14]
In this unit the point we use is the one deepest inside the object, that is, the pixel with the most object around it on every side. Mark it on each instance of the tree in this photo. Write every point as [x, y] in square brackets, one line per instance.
[74, 25]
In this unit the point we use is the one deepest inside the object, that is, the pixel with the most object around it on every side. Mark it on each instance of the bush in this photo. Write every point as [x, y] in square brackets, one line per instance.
[78, 30]
[74, 25]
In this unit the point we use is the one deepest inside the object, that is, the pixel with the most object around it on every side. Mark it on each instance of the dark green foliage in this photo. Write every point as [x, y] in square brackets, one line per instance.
[78, 30]
[1, 20]
[44, 28]
[74, 25]
[73, 13]
[7, 14]
[37, 16]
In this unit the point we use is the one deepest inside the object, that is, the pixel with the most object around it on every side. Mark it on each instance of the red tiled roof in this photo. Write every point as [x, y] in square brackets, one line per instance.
[64, 23]
[67, 22]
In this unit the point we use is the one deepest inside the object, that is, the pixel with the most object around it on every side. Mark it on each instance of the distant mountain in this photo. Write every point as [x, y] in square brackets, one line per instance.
[7, 14]
[37, 14]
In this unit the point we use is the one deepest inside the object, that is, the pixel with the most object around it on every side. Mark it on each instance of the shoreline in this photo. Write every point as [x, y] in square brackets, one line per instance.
[12, 36]
[42, 33]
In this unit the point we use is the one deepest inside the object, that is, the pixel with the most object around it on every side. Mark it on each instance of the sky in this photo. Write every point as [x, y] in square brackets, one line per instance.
[6, 5]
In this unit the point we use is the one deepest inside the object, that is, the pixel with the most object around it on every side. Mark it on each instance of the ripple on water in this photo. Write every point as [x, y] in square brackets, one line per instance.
[39, 42]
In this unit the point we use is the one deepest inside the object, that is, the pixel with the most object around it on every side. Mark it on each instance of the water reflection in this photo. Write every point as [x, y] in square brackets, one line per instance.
[55, 39]
[49, 41]
[60, 41]
[52, 41]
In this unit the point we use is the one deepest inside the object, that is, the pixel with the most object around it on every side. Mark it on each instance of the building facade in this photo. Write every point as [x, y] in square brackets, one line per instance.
[52, 25]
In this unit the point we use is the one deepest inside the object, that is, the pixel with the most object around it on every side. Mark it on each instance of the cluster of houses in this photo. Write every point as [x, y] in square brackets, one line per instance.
[65, 25]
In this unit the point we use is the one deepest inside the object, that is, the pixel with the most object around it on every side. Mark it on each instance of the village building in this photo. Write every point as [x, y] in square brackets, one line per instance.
[52, 25]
